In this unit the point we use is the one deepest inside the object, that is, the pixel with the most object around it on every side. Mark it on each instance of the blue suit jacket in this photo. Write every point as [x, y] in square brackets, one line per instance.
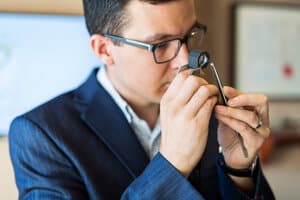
[80, 146]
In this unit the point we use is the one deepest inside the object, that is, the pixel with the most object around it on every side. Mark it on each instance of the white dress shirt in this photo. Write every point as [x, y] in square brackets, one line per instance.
[149, 139]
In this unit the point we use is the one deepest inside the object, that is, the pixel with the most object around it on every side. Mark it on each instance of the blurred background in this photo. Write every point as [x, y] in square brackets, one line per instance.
[254, 43]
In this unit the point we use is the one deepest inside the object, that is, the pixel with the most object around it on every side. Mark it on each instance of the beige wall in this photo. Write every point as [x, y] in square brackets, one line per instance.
[42, 6]
[7, 181]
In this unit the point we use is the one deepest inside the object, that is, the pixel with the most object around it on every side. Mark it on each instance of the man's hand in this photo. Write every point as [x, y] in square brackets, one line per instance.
[248, 115]
[185, 111]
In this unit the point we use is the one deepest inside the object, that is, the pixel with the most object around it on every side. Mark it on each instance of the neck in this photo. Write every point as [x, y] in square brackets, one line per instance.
[148, 113]
[145, 110]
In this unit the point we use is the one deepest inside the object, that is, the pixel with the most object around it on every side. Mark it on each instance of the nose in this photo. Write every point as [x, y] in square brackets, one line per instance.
[181, 58]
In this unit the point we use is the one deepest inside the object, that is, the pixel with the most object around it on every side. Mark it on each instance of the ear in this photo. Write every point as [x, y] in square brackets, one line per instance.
[102, 48]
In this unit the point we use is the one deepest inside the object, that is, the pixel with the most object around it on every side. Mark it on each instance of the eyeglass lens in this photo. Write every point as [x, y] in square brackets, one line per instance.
[166, 51]
[195, 39]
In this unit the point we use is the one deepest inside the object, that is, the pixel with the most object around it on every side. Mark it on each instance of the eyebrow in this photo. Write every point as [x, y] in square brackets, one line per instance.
[158, 37]
[163, 36]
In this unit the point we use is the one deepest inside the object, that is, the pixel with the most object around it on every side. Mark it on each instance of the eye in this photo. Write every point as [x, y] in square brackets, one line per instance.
[163, 45]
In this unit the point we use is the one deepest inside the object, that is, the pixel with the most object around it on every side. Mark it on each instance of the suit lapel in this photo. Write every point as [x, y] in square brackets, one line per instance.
[105, 118]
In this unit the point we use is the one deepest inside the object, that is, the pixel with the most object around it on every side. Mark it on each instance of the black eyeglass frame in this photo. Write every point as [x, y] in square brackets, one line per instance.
[152, 47]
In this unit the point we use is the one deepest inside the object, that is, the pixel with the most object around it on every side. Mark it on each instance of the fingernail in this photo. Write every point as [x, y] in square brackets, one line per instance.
[232, 102]
[220, 109]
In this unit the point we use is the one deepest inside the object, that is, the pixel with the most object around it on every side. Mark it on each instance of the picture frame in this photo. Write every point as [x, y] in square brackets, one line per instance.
[266, 49]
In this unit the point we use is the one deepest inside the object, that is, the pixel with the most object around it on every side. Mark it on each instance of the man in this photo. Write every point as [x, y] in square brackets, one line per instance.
[136, 129]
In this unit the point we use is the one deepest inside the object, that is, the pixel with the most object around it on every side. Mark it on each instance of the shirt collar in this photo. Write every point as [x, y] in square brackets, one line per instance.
[130, 115]
[106, 83]
[149, 139]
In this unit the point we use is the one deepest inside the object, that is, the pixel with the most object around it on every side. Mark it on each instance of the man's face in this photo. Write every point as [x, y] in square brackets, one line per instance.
[134, 73]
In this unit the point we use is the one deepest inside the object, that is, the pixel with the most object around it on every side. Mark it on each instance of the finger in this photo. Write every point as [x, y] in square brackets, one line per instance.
[175, 85]
[200, 97]
[190, 86]
[248, 100]
[259, 102]
[244, 129]
[265, 132]
[230, 92]
[205, 112]
[249, 117]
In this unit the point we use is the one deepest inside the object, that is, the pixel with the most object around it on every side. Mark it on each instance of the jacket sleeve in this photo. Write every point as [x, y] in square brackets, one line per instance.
[42, 171]
[229, 191]
[160, 180]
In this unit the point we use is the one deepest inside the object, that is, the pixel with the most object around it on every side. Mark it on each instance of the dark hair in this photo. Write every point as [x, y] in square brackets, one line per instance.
[109, 16]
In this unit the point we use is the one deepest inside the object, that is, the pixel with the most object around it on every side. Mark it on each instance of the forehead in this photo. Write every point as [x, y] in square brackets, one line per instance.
[173, 18]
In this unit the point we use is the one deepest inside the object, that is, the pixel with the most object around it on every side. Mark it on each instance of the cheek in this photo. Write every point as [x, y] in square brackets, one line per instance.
[141, 68]
[137, 71]
[148, 83]
[150, 75]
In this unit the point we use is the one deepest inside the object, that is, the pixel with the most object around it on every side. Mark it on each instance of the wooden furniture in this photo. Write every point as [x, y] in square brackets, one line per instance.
[278, 139]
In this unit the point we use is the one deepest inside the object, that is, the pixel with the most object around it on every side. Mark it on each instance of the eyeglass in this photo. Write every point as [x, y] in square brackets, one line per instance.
[167, 50]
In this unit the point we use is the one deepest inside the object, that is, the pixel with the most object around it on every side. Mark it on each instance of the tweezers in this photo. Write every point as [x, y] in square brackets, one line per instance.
[225, 100]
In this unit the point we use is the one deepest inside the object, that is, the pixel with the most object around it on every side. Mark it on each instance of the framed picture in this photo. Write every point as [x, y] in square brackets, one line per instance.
[266, 55]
